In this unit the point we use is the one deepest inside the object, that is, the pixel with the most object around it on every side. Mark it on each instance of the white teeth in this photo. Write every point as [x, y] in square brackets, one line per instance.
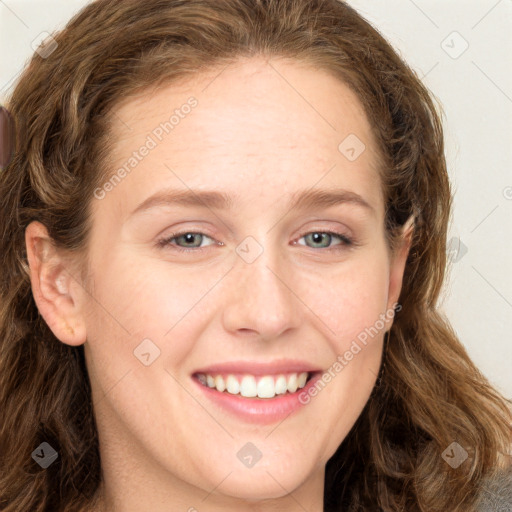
[232, 385]
[292, 383]
[281, 386]
[248, 386]
[301, 381]
[267, 386]
[219, 383]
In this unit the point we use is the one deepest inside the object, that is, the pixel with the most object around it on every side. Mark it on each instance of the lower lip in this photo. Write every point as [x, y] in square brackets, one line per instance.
[259, 410]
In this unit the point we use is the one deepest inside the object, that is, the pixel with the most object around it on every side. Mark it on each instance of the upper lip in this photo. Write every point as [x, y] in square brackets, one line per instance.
[259, 368]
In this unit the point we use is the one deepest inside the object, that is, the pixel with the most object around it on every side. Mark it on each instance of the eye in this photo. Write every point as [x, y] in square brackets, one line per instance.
[187, 237]
[192, 240]
[319, 237]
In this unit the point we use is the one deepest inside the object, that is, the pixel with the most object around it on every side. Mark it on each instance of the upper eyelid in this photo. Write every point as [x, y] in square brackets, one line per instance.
[203, 231]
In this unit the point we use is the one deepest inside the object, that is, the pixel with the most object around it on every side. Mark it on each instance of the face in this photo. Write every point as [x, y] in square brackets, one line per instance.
[245, 247]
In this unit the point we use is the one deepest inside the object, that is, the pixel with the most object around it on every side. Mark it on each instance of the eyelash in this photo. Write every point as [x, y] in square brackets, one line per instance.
[166, 242]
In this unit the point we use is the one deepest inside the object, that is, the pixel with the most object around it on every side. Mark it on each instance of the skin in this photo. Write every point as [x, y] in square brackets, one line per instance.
[262, 131]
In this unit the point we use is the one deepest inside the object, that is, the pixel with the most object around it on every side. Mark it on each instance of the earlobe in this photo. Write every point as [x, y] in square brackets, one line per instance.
[55, 292]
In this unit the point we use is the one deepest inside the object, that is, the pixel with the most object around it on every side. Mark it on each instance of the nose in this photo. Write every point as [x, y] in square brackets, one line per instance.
[262, 303]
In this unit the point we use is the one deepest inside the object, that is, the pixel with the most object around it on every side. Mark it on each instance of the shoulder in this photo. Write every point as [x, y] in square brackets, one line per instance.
[496, 492]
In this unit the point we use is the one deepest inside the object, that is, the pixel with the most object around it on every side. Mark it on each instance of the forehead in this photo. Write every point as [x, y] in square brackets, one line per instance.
[254, 122]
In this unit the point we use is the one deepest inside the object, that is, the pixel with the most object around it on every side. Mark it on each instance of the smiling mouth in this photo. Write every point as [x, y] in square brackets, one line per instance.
[251, 386]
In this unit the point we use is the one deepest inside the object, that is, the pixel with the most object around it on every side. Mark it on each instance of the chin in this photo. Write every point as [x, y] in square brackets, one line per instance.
[265, 482]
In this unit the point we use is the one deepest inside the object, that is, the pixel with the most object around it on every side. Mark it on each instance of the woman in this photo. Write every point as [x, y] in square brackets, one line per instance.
[143, 373]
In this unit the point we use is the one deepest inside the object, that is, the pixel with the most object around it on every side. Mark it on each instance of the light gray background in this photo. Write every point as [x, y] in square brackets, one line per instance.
[475, 89]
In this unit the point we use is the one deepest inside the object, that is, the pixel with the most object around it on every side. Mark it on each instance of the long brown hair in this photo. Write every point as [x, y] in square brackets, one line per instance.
[430, 393]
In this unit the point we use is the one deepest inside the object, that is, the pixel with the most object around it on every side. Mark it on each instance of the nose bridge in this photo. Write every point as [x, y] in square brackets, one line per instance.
[262, 298]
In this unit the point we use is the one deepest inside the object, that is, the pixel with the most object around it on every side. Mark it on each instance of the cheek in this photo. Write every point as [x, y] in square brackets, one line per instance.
[139, 298]
[146, 293]
[348, 299]
[351, 307]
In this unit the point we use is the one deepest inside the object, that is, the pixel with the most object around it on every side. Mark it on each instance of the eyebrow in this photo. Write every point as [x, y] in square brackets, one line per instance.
[303, 199]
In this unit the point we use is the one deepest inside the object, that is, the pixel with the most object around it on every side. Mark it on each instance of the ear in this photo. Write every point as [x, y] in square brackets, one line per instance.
[56, 292]
[398, 260]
